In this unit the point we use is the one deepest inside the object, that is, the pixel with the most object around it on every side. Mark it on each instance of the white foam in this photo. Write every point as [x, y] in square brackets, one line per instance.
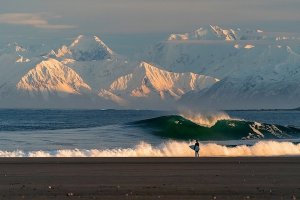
[255, 128]
[205, 119]
[171, 149]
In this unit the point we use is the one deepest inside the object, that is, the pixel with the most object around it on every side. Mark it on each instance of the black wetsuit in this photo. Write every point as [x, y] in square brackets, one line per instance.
[197, 149]
[197, 144]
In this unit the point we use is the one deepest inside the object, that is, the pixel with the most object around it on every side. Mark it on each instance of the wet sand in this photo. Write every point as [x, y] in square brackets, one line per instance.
[150, 178]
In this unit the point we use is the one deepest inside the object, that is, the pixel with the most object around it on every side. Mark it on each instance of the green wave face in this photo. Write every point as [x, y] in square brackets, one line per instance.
[177, 127]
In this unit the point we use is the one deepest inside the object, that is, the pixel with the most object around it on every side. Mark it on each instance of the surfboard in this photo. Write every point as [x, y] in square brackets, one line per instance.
[193, 147]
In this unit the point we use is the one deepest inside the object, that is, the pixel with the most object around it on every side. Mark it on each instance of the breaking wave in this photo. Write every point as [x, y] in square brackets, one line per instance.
[172, 149]
[207, 120]
[218, 127]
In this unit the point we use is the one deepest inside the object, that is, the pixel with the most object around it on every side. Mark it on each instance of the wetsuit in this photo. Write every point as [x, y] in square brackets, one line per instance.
[197, 148]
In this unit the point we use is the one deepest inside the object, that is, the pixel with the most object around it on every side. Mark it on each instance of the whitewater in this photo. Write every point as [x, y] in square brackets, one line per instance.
[144, 133]
[171, 149]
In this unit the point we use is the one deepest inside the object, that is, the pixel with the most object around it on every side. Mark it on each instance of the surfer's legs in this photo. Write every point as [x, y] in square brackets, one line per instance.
[196, 154]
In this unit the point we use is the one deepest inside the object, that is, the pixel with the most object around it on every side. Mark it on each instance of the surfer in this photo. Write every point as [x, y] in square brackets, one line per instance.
[196, 148]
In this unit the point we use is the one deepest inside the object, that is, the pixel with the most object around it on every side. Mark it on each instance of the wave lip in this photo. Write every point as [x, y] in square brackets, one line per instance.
[171, 149]
[206, 120]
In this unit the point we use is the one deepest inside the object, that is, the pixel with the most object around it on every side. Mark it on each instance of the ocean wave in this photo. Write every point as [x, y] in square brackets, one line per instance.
[207, 119]
[171, 149]
[220, 127]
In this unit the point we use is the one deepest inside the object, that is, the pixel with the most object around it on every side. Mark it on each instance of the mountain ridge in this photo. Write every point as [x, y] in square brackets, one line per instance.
[211, 67]
[148, 81]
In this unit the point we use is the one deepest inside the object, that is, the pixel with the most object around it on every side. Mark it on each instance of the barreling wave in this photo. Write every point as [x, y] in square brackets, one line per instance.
[219, 128]
[172, 149]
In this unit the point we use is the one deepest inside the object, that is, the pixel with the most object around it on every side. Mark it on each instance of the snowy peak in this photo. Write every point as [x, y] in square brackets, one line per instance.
[85, 48]
[213, 32]
[52, 76]
[87, 43]
[152, 83]
[162, 80]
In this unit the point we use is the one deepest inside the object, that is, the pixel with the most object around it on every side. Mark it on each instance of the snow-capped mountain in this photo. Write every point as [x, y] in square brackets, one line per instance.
[272, 83]
[49, 82]
[52, 76]
[222, 58]
[257, 71]
[94, 61]
[211, 67]
[246, 93]
[88, 74]
[217, 33]
[84, 48]
[148, 85]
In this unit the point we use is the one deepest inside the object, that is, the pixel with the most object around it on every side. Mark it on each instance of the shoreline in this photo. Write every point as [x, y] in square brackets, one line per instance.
[150, 178]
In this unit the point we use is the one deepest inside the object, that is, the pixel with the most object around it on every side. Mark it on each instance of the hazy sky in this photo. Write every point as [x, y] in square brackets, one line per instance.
[29, 18]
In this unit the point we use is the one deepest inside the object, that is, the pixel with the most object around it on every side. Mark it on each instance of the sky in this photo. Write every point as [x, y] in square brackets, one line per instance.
[140, 19]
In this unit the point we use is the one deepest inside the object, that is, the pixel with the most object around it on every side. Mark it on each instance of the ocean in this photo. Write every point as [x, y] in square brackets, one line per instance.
[82, 133]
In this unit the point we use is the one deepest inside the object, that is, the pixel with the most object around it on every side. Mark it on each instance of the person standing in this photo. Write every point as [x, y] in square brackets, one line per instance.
[197, 149]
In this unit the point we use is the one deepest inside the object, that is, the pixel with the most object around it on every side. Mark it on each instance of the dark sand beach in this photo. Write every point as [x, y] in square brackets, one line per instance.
[150, 178]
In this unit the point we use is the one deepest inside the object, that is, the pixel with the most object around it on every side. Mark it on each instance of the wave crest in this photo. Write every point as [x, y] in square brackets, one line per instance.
[207, 119]
[171, 149]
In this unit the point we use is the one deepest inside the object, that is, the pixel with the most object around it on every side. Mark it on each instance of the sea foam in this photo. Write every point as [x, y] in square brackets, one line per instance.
[171, 149]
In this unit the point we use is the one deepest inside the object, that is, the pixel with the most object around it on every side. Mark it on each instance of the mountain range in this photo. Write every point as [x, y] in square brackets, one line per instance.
[209, 68]
[256, 70]
[88, 74]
